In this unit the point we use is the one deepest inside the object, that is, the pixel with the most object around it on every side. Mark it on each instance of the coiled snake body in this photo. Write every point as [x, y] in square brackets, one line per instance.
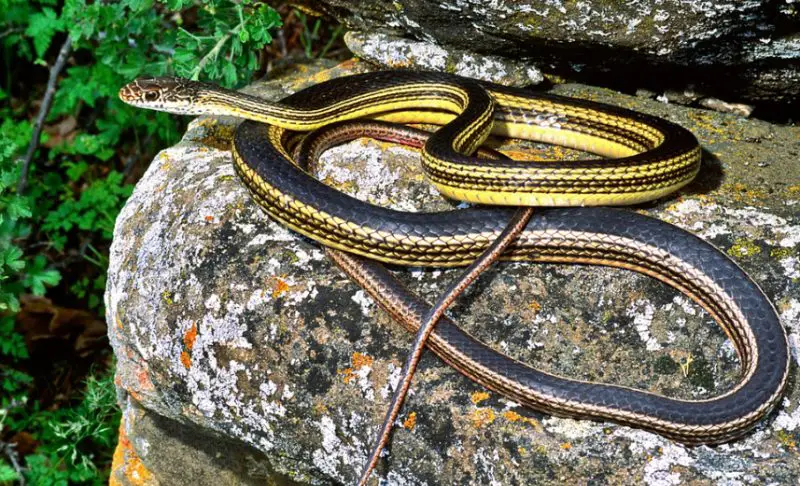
[650, 158]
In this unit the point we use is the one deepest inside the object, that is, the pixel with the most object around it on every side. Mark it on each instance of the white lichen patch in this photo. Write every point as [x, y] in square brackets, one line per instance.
[642, 312]
[660, 470]
[402, 478]
[787, 420]
[398, 52]
[334, 453]
[790, 317]
[570, 428]
[364, 165]
[395, 373]
[364, 383]
[362, 299]
[685, 304]
[485, 460]
[791, 267]
[694, 216]
[663, 455]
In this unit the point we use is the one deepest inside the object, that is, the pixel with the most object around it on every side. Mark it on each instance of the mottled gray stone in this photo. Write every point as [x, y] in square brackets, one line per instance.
[399, 53]
[190, 455]
[233, 326]
[734, 49]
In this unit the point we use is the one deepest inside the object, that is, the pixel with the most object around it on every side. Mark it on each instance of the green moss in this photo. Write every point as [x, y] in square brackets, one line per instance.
[665, 366]
[167, 296]
[700, 374]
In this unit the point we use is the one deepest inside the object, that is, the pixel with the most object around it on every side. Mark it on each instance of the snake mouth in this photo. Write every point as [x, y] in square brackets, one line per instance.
[127, 94]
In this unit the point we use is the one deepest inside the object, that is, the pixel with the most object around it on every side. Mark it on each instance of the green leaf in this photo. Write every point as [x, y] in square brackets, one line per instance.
[37, 276]
[42, 26]
[138, 5]
[75, 170]
[7, 473]
[11, 257]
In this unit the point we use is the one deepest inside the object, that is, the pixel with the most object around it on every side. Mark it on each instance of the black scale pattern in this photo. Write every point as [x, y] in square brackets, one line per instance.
[690, 421]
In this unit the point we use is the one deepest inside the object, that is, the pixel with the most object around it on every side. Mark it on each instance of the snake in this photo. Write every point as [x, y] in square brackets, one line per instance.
[645, 158]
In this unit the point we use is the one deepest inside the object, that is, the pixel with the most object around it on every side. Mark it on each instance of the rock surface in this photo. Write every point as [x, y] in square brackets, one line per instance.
[244, 354]
[399, 53]
[730, 48]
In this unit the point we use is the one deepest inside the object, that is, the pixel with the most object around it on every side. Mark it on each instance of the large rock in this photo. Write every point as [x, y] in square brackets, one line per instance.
[244, 354]
[730, 48]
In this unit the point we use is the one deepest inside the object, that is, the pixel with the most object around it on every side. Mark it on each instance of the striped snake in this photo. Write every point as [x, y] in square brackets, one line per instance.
[647, 158]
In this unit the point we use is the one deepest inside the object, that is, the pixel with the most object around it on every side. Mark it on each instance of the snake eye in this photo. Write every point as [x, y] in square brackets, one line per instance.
[151, 96]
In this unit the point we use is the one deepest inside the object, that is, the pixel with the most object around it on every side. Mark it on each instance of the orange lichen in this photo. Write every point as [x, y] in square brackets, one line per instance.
[279, 288]
[190, 336]
[512, 416]
[186, 359]
[347, 374]
[143, 377]
[360, 360]
[209, 219]
[478, 397]
[126, 464]
[411, 421]
[482, 417]
[535, 306]
[566, 446]
[787, 439]
[743, 193]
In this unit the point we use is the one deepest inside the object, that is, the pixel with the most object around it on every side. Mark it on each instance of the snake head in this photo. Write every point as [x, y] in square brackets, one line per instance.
[173, 95]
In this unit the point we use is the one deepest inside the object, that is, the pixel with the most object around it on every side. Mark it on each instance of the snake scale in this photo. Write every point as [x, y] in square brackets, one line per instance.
[646, 158]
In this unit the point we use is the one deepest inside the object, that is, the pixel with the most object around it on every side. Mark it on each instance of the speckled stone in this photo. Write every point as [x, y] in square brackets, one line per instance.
[227, 325]
[399, 53]
[737, 50]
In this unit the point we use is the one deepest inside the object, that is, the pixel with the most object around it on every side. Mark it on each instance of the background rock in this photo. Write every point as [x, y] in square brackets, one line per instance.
[732, 49]
[226, 325]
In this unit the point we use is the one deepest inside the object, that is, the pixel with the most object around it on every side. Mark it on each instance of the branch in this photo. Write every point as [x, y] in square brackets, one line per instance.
[47, 102]
[10, 30]
[212, 54]
[9, 449]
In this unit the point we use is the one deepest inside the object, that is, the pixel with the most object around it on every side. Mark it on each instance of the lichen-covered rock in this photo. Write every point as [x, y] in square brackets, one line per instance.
[400, 53]
[730, 48]
[235, 330]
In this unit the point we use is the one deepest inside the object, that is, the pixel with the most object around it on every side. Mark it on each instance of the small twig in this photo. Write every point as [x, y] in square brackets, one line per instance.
[10, 452]
[47, 102]
[282, 43]
[212, 54]
[10, 30]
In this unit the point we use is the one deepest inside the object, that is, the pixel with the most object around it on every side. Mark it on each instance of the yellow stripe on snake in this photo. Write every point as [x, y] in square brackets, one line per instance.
[649, 158]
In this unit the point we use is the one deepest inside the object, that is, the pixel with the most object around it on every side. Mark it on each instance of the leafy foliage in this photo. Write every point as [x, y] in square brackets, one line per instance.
[54, 237]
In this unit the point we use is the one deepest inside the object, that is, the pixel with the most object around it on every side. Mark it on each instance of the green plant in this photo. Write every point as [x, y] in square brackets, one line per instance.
[311, 35]
[66, 169]
[69, 155]
[76, 441]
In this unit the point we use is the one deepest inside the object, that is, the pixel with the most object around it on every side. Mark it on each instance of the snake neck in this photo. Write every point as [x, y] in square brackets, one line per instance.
[241, 105]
